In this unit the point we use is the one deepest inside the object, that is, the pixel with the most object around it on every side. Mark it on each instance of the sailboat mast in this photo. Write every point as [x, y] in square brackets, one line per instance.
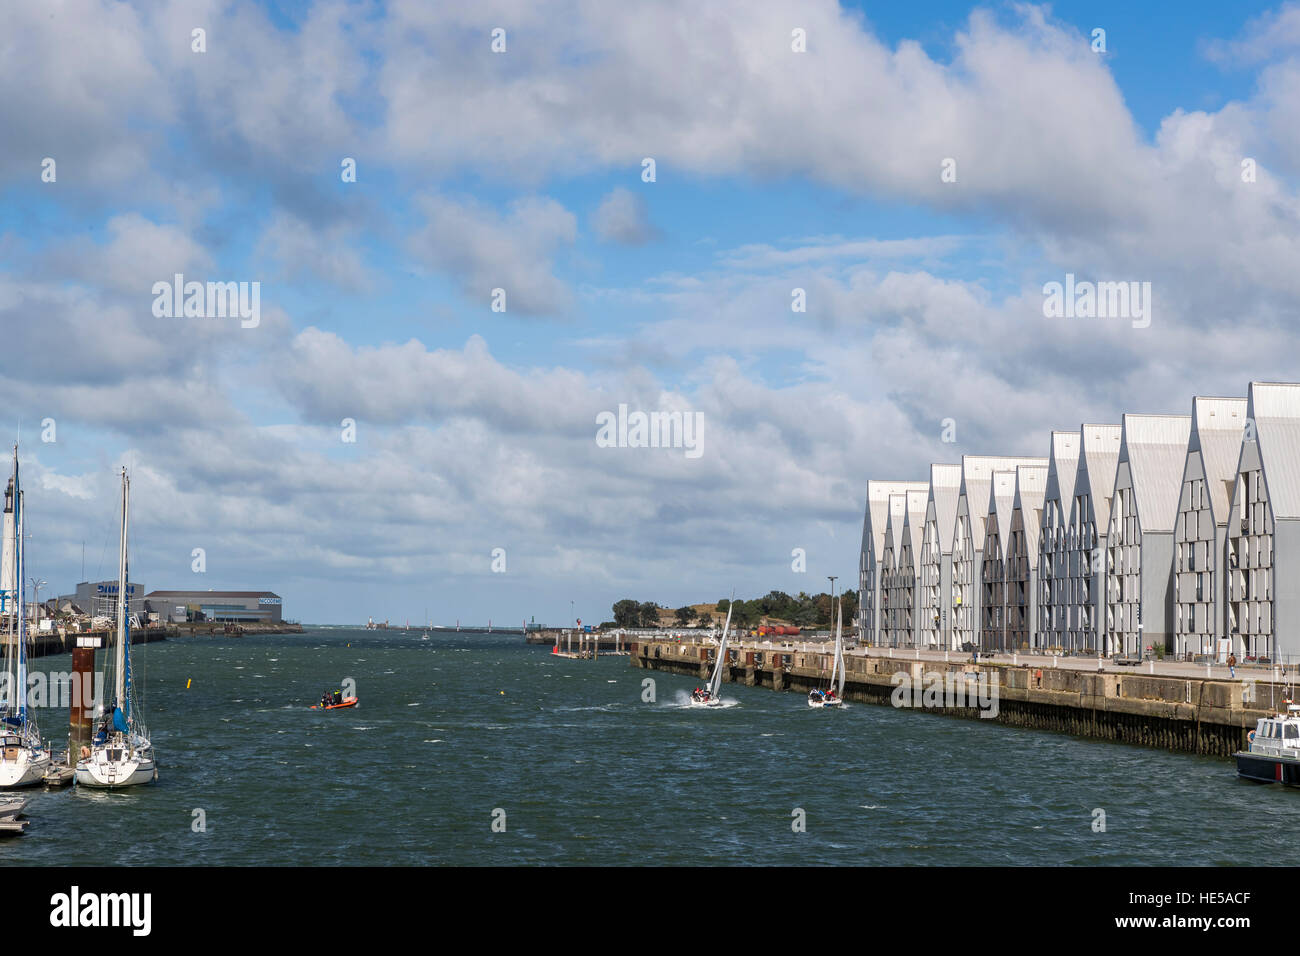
[17, 659]
[20, 651]
[119, 657]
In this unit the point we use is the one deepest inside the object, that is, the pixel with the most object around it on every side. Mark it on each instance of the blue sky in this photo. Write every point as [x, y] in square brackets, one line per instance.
[775, 170]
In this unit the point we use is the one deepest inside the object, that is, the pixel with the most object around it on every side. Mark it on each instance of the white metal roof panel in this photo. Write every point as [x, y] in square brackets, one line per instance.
[1274, 407]
[945, 488]
[1031, 488]
[876, 517]
[976, 478]
[1217, 426]
[1098, 459]
[1155, 447]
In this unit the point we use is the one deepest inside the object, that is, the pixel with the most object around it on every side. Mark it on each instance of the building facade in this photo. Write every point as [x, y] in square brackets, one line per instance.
[1201, 530]
[968, 541]
[1054, 541]
[893, 598]
[908, 633]
[241, 607]
[993, 570]
[1094, 483]
[1263, 537]
[1140, 535]
[874, 521]
[99, 598]
[1022, 558]
[936, 555]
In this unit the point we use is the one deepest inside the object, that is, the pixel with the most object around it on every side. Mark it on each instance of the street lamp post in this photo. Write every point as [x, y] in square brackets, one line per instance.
[831, 578]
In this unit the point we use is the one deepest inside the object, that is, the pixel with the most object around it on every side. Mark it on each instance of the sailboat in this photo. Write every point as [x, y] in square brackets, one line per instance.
[23, 758]
[707, 696]
[120, 754]
[833, 696]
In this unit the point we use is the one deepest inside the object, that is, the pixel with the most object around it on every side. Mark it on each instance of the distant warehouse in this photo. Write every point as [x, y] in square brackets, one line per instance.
[237, 606]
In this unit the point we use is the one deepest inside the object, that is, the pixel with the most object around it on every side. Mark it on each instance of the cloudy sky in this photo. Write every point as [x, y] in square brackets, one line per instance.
[921, 171]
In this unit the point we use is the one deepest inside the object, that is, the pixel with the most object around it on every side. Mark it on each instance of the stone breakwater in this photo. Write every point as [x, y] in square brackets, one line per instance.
[1189, 714]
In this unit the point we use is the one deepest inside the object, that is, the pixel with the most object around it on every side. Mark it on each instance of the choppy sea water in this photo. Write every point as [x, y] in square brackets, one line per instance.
[457, 731]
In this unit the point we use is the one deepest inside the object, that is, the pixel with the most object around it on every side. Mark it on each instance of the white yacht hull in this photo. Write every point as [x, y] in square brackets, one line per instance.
[23, 769]
[101, 771]
[711, 702]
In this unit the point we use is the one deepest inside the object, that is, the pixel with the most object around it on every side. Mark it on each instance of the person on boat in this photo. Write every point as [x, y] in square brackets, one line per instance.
[338, 697]
[325, 699]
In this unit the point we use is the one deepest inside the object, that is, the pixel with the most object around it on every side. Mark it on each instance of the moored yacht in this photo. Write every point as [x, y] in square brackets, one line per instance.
[120, 754]
[24, 759]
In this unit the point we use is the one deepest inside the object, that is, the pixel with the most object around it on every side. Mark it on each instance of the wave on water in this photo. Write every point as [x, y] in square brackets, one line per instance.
[683, 699]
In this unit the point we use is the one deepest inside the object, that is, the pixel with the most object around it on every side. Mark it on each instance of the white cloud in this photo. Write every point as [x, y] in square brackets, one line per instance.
[484, 250]
[621, 217]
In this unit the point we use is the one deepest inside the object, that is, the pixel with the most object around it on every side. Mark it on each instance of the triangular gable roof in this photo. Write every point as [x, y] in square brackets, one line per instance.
[1275, 409]
[1002, 499]
[1098, 458]
[914, 522]
[1062, 469]
[976, 477]
[1217, 427]
[876, 518]
[945, 487]
[1031, 487]
[1155, 447]
[896, 520]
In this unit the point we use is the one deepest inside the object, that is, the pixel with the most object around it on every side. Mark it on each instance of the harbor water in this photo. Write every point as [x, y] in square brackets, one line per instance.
[480, 749]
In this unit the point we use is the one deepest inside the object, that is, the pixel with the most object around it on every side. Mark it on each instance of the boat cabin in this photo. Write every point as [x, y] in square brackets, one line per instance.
[1278, 735]
[10, 746]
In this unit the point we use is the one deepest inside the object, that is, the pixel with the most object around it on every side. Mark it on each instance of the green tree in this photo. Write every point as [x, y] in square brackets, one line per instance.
[627, 613]
[684, 616]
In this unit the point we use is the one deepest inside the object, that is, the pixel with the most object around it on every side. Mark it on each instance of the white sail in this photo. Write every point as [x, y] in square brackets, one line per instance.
[839, 649]
[715, 682]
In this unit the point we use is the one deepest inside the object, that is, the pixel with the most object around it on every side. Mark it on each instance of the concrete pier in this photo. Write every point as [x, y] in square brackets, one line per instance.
[1183, 713]
[45, 643]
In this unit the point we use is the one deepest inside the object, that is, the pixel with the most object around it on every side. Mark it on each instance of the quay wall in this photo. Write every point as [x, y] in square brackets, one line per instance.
[1188, 714]
[46, 644]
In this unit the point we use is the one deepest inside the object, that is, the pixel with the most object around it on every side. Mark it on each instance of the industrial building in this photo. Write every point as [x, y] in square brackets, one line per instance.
[1140, 536]
[874, 523]
[1022, 557]
[1054, 540]
[936, 554]
[1094, 482]
[241, 607]
[99, 598]
[1264, 528]
[1201, 531]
